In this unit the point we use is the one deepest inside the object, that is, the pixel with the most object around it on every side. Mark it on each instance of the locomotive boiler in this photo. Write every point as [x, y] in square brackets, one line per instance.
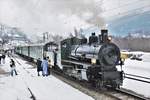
[92, 59]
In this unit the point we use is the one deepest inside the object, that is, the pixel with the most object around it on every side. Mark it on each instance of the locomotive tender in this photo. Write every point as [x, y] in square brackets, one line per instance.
[92, 59]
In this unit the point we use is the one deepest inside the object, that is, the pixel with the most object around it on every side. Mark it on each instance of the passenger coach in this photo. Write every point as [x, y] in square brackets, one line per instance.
[35, 51]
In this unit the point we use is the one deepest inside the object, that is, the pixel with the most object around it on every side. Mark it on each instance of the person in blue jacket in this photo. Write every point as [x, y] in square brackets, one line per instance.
[44, 66]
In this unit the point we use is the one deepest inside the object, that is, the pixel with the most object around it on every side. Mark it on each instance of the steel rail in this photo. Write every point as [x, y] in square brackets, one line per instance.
[30, 91]
[137, 79]
[138, 96]
[137, 76]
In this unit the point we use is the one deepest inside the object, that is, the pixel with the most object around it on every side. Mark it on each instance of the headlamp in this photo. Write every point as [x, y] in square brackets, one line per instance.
[93, 61]
[109, 38]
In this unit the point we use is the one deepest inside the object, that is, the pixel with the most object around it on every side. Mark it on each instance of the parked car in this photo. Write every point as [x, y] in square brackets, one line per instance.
[135, 57]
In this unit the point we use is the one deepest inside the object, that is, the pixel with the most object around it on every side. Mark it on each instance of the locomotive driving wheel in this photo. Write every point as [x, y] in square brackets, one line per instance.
[115, 85]
[99, 84]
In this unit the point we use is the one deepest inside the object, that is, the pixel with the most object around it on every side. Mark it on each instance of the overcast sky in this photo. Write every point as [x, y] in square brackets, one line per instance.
[61, 16]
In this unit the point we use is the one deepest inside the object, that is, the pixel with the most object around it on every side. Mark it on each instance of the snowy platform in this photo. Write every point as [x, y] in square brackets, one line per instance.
[43, 88]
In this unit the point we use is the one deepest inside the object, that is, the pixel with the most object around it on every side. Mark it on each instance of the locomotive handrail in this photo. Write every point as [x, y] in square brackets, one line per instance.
[76, 62]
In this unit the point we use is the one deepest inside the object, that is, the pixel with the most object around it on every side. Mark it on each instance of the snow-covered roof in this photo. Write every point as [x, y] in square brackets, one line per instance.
[16, 35]
[36, 44]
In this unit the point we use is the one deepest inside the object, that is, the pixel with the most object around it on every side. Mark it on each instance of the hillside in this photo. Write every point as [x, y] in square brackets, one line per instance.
[135, 23]
[12, 35]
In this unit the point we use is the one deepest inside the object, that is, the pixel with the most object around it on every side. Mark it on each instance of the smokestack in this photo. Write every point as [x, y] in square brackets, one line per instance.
[104, 35]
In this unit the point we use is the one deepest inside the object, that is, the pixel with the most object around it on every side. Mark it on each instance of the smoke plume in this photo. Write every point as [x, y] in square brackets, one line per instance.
[87, 10]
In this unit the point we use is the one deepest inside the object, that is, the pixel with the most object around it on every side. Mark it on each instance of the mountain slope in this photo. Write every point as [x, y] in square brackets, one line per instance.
[131, 24]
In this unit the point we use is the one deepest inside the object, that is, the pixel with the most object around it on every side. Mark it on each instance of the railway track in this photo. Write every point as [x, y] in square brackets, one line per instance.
[138, 78]
[118, 94]
[85, 87]
[123, 94]
[30, 91]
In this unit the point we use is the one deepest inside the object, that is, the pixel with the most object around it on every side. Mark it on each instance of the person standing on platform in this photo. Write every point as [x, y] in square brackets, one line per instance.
[3, 57]
[0, 57]
[39, 68]
[8, 53]
[49, 66]
[13, 67]
[44, 66]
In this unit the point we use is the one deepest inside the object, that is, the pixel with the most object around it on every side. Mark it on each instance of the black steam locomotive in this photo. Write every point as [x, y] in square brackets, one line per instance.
[92, 59]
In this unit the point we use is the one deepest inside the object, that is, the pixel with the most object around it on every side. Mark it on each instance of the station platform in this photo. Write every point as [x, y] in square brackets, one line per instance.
[28, 86]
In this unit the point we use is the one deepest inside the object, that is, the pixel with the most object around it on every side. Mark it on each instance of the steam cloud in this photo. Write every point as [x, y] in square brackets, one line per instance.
[87, 10]
[38, 16]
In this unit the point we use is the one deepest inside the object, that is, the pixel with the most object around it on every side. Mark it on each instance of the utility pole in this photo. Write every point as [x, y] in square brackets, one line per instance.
[1, 35]
[45, 36]
[1, 31]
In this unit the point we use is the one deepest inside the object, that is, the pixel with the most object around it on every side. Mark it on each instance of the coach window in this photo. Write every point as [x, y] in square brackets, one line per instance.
[51, 47]
[48, 48]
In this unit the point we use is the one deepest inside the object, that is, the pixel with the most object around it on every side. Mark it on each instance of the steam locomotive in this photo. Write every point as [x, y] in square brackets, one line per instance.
[92, 59]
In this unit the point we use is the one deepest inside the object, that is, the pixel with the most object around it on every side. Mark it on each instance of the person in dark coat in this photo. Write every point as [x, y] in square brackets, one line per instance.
[13, 67]
[3, 58]
[49, 66]
[0, 57]
[39, 68]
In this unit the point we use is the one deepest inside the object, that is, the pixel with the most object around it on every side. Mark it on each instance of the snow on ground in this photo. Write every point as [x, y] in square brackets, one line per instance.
[13, 88]
[50, 88]
[43, 88]
[141, 68]
[146, 57]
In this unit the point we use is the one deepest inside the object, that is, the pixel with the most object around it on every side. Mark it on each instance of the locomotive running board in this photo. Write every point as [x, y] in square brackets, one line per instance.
[75, 62]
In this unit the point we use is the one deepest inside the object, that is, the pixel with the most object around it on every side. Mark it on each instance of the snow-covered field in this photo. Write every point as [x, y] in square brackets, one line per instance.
[141, 68]
[44, 88]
